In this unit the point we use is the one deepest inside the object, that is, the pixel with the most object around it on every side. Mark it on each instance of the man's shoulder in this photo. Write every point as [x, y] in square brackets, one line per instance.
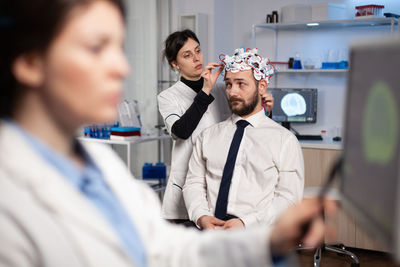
[269, 125]
[217, 129]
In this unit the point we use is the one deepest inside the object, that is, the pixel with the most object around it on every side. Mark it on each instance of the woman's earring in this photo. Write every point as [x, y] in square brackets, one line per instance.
[176, 74]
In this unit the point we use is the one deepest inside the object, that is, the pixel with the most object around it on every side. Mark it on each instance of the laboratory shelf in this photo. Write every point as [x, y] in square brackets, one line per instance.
[137, 140]
[326, 24]
[321, 25]
[129, 144]
[313, 71]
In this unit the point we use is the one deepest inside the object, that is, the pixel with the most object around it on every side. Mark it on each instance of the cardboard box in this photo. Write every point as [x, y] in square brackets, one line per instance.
[327, 11]
[296, 13]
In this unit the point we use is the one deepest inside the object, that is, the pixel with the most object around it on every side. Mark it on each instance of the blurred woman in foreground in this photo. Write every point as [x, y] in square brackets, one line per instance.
[64, 203]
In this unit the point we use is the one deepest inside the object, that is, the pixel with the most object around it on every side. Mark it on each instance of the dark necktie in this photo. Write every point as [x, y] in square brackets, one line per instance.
[222, 200]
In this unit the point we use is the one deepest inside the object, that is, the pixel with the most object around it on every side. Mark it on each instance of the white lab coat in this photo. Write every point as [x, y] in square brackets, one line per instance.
[173, 103]
[46, 221]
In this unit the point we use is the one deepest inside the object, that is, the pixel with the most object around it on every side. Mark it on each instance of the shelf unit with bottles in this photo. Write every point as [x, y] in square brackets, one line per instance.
[315, 25]
[305, 71]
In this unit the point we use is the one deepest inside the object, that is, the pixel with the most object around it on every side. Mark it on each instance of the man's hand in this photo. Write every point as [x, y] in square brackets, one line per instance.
[234, 223]
[301, 223]
[209, 77]
[268, 101]
[209, 222]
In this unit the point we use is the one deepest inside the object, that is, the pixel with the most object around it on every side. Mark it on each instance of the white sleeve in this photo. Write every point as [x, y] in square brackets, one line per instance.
[169, 110]
[195, 188]
[178, 246]
[291, 176]
[15, 250]
[290, 186]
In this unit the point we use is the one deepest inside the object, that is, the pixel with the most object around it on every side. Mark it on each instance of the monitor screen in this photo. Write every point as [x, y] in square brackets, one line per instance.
[294, 105]
[372, 148]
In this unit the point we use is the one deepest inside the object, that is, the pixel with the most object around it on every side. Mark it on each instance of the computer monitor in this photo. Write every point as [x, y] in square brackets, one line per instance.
[294, 105]
[371, 156]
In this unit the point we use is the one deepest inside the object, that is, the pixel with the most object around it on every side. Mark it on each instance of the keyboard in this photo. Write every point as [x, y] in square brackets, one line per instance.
[309, 137]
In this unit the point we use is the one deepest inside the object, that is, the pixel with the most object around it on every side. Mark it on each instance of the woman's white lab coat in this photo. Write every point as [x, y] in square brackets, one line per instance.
[45, 221]
[173, 103]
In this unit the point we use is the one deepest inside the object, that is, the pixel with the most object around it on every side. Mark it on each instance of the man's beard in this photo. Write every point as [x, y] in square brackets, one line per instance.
[245, 109]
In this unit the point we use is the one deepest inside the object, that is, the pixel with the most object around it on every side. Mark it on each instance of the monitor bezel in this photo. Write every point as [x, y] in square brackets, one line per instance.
[289, 89]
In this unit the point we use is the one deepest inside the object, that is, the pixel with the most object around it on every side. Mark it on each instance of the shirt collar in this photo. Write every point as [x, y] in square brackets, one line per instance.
[255, 120]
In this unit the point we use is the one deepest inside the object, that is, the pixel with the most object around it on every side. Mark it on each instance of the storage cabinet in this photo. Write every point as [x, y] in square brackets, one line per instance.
[318, 163]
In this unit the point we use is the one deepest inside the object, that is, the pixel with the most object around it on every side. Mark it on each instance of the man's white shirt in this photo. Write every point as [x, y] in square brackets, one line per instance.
[268, 176]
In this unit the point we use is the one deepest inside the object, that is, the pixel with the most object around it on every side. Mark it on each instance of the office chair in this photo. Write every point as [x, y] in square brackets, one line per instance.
[331, 193]
[339, 249]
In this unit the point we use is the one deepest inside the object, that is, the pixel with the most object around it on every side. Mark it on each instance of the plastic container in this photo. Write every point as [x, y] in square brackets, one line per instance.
[296, 13]
[157, 171]
[297, 62]
[369, 10]
[268, 19]
[290, 63]
[125, 131]
[99, 131]
[327, 11]
[275, 18]
[309, 64]
[330, 65]
[324, 135]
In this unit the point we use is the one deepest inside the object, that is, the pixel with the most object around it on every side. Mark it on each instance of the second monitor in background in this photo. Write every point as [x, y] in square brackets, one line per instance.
[295, 105]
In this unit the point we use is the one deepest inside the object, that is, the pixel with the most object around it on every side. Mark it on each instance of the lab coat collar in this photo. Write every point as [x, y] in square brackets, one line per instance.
[255, 120]
[50, 189]
[185, 90]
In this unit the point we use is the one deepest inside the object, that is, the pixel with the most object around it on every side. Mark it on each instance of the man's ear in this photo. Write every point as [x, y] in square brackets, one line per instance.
[28, 69]
[262, 86]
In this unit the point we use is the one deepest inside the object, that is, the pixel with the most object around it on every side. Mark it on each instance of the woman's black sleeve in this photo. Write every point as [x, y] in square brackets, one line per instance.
[184, 127]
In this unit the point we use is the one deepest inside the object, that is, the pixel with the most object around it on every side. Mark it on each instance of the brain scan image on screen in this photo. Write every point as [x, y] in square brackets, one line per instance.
[293, 104]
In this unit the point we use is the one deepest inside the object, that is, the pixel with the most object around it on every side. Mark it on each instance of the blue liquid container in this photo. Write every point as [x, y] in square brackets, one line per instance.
[297, 64]
[157, 171]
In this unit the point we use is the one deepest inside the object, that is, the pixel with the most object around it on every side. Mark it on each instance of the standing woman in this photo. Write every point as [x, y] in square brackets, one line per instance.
[188, 107]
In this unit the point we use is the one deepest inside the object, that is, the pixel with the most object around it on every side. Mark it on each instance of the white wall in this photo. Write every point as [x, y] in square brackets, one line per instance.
[190, 6]
[142, 50]
[232, 24]
[224, 27]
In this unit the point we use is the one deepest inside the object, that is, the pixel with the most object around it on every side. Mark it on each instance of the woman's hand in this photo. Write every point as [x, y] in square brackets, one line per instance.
[302, 223]
[268, 101]
[209, 77]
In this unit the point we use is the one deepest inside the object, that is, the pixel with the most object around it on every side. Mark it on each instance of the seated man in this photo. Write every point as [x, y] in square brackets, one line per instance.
[247, 169]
